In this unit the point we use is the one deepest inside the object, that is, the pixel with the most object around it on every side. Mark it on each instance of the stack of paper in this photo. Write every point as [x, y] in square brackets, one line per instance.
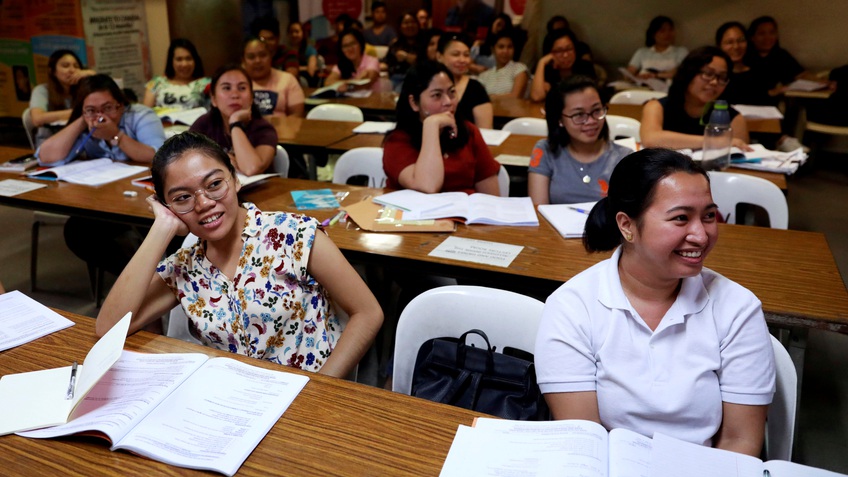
[760, 159]
[23, 319]
[93, 172]
[806, 85]
[758, 112]
[374, 127]
[568, 219]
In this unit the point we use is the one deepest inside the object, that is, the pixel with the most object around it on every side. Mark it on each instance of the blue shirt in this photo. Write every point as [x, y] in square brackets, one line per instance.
[138, 122]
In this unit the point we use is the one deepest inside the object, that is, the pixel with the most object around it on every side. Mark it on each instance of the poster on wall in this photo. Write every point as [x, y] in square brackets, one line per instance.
[322, 14]
[116, 35]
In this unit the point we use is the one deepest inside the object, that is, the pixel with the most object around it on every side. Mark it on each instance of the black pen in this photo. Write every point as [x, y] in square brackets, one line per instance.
[72, 384]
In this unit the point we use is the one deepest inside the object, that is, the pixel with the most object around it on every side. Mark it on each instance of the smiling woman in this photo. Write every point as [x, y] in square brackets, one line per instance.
[255, 283]
[183, 85]
[649, 339]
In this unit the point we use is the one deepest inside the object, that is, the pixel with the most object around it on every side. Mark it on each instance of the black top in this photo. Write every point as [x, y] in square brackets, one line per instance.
[580, 67]
[676, 119]
[748, 87]
[776, 67]
[832, 110]
[474, 95]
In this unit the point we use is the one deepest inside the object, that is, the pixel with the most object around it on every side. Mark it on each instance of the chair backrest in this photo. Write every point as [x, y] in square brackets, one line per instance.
[29, 129]
[780, 424]
[503, 181]
[336, 112]
[636, 96]
[507, 318]
[362, 161]
[528, 126]
[177, 319]
[281, 162]
[730, 189]
[622, 126]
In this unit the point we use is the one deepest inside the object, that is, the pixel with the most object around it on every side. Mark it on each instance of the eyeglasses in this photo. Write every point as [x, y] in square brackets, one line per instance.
[583, 118]
[562, 51]
[709, 75]
[215, 190]
[107, 109]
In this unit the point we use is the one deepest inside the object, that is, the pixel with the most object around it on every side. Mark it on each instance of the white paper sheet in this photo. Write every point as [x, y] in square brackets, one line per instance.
[494, 137]
[12, 187]
[23, 319]
[477, 251]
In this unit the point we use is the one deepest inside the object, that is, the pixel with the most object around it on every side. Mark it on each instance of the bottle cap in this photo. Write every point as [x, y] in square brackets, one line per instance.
[720, 105]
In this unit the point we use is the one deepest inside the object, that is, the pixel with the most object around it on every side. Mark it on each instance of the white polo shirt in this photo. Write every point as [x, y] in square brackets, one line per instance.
[711, 346]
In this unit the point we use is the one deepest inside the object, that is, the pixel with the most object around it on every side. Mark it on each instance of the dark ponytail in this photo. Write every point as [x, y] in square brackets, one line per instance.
[631, 190]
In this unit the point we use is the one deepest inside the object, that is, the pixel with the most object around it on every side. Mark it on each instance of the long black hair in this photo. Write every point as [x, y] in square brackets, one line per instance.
[489, 42]
[198, 63]
[554, 105]
[346, 67]
[553, 36]
[723, 29]
[417, 80]
[175, 148]
[56, 93]
[757, 22]
[691, 67]
[632, 187]
[654, 27]
[214, 112]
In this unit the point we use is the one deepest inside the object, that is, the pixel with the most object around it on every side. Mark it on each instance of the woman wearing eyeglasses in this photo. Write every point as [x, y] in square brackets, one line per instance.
[575, 162]
[354, 64]
[262, 284]
[675, 121]
[559, 63]
[104, 124]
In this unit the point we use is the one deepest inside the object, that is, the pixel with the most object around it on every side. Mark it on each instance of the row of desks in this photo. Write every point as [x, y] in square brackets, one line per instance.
[792, 272]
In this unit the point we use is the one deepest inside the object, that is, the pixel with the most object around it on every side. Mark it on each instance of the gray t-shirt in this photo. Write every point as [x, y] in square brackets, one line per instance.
[572, 181]
[39, 99]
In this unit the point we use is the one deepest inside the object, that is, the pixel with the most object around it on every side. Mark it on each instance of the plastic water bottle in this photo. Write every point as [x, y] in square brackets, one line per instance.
[718, 136]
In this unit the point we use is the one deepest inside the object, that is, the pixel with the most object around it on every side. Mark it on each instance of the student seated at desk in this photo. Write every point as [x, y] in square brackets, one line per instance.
[559, 63]
[235, 123]
[104, 124]
[52, 102]
[506, 78]
[354, 64]
[473, 102]
[660, 57]
[433, 149]
[184, 84]
[650, 340]
[575, 162]
[675, 121]
[257, 284]
[275, 92]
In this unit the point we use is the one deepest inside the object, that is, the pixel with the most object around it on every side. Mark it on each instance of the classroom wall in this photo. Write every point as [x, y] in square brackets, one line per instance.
[813, 30]
[156, 12]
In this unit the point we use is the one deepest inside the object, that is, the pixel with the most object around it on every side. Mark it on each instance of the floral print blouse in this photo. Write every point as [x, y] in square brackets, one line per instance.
[272, 309]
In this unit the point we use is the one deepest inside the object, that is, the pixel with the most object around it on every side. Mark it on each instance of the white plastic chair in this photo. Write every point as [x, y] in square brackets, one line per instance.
[780, 424]
[636, 96]
[730, 189]
[503, 181]
[621, 126]
[177, 319]
[336, 112]
[527, 126]
[362, 161]
[382, 51]
[281, 162]
[507, 318]
[29, 128]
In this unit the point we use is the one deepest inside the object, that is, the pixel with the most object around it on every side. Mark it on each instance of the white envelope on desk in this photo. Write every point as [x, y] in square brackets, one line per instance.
[37, 399]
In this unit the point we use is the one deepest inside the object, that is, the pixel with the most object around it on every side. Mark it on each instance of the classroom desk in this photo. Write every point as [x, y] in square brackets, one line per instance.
[333, 427]
[754, 125]
[792, 272]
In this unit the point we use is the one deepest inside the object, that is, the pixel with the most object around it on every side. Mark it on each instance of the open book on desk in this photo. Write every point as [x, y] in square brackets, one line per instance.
[672, 458]
[183, 409]
[568, 219]
[479, 209]
[497, 447]
[47, 397]
[655, 84]
[332, 91]
[92, 172]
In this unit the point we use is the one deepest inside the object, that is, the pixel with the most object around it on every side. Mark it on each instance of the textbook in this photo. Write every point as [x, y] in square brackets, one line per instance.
[183, 409]
[476, 208]
[672, 458]
[568, 219]
[332, 91]
[497, 447]
[93, 172]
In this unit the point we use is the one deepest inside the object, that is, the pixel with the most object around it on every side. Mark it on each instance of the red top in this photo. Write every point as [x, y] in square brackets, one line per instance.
[463, 168]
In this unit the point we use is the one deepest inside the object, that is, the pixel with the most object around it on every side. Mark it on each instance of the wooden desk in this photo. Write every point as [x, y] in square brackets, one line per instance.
[297, 132]
[333, 427]
[792, 272]
[819, 94]
[754, 125]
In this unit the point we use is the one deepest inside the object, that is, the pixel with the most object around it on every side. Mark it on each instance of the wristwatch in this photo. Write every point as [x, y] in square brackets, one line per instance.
[237, 124]
[117, 139]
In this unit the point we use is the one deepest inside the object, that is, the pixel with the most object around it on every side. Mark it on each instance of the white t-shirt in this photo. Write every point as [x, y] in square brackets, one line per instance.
[501, 80]
[647, 58]
[712, 346]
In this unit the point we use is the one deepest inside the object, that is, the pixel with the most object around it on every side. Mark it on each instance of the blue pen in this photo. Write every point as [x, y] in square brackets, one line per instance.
[577, 209]
[87, 137]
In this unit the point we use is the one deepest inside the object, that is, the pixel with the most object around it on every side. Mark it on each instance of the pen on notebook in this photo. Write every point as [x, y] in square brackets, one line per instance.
[578, 209]
[72, 384]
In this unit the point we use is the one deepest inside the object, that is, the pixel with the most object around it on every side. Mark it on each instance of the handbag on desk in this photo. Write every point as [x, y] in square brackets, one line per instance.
[449, 371]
